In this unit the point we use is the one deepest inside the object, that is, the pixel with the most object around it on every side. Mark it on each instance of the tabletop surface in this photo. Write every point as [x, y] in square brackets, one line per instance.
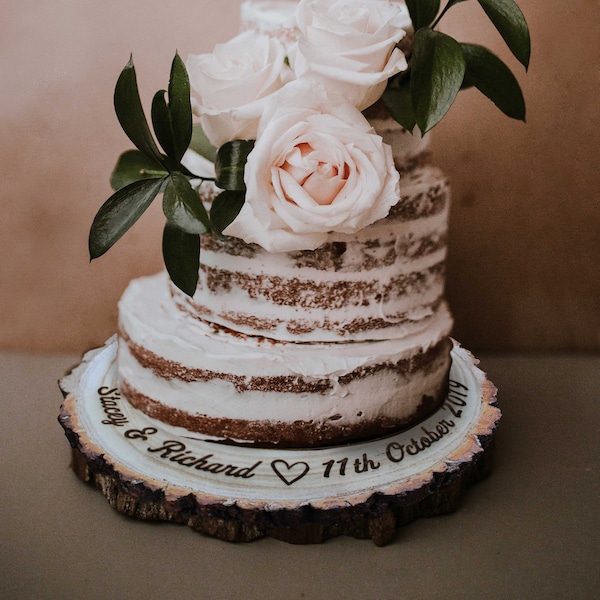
[530, 530]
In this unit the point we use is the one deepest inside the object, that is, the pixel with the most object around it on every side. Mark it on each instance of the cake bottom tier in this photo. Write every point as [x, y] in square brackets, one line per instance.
[226, 385]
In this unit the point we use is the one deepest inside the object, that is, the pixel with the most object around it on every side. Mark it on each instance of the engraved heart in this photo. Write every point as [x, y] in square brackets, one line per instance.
[289, 474]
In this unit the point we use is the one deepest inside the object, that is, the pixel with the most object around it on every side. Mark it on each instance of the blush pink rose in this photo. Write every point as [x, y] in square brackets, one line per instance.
[234, 83]
[317, 167]
[350, 46]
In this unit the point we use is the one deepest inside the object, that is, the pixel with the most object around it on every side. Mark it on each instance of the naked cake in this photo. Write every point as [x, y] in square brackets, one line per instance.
[312, 310]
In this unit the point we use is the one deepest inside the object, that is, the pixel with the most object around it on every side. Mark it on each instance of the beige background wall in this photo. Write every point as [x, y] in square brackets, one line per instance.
[525, 243]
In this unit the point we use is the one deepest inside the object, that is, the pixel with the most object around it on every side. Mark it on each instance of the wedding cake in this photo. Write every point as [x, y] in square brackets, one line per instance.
[316, 312]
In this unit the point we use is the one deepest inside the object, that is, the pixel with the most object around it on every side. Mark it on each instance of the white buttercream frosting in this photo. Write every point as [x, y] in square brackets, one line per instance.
[406, 146]
[268, 15]
[150, 320]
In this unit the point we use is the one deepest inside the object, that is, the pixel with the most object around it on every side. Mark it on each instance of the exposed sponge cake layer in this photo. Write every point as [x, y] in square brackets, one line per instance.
[220, 383]
[386, 281]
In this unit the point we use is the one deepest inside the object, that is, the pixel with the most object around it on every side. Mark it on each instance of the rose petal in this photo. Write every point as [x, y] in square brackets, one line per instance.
[233, 83]
[323, 186]
[349, 46]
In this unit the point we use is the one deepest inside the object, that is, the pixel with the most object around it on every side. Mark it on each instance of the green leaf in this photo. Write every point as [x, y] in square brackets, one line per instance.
[437, 72]
[512, 26]
[180, 107]
[161, 121]
[173, 121]
[230, 163]
[422, 12]
[182, 206]
[494, 79]
[131, 114]
[181, 253]
[201, 145]
[132, 166]
[398, 103]
[120, 212]
[224, 209]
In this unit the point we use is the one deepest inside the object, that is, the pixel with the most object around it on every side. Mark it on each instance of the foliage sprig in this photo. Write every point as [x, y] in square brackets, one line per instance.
[141, 175]
[440, 66]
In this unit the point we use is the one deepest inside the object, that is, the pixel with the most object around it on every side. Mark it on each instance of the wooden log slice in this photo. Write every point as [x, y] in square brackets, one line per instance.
[149, 470]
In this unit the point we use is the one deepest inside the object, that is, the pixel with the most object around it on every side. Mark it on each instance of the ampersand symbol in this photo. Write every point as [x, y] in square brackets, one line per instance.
[140, 434]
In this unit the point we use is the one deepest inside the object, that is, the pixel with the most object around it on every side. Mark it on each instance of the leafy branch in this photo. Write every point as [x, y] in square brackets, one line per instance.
[141, 175]
[440, 66]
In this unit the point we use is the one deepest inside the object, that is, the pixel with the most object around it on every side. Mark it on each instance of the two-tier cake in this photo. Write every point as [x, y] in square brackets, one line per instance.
[302, 347]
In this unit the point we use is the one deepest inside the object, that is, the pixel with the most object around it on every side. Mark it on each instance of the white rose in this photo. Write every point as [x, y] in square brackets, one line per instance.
[317, 166]
[350, 46]
[234, 82]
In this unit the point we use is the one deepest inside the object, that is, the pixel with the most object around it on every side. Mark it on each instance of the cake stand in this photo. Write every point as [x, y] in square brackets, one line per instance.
[152, 471]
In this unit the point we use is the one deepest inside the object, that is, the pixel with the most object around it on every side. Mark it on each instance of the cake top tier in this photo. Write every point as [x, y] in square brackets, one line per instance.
[296, 157]
[278, 17]
[268, 16]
